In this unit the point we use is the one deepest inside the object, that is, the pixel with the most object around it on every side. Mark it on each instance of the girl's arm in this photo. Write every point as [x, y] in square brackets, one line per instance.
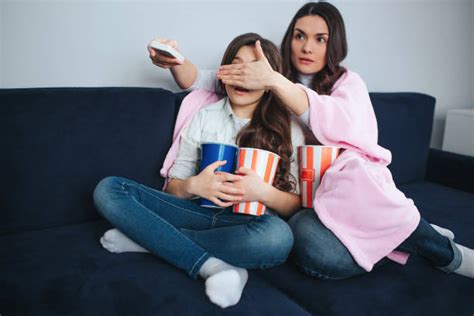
[260, 75]
[184, 72]
[255, 189]
[209, 185]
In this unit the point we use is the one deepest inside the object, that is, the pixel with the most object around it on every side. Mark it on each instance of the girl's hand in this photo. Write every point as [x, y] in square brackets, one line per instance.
[214, 187]
[254, 188]
[257, 75]
[161, 60]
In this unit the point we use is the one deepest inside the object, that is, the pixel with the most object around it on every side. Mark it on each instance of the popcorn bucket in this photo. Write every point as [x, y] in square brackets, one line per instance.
[313, 161]
[265, 164]
[212, 152]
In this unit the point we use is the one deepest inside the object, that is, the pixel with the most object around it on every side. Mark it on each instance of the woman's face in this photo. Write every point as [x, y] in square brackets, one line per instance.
[309, 44]
[239, 96]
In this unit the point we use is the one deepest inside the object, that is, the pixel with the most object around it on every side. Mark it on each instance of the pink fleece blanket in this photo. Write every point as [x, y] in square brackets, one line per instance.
[357, 198]
[192, 103]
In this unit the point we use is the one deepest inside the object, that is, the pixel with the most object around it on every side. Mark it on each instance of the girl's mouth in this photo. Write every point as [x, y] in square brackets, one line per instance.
[240, 90]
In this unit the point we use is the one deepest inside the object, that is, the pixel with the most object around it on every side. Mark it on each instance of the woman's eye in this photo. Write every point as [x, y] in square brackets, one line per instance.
[321, 39]
[299, 36]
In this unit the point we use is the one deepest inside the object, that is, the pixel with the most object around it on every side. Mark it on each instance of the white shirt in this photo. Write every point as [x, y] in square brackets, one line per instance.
[218, 123]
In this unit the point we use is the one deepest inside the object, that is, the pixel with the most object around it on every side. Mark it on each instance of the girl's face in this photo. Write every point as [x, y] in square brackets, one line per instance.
[238, 96]
[309, 44]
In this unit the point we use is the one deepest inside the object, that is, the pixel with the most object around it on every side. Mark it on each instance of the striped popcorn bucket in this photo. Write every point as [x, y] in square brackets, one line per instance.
[313, 161]
[265, 164]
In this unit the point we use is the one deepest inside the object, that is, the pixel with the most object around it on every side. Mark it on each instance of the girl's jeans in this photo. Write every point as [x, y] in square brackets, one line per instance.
[318, 252]
[186, 234]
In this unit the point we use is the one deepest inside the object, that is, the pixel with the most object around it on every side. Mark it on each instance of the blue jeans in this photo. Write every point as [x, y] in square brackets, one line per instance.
[319, 253]
[186, 234]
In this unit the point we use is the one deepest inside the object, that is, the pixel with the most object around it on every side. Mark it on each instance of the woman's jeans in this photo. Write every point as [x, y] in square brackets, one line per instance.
[318, 252]
[186, 234]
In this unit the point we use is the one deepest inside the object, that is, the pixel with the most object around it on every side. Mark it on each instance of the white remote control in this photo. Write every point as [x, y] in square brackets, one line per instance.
[166, 50]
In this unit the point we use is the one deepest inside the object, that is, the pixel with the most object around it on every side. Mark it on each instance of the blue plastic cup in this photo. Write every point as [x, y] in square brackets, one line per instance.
[212, 152]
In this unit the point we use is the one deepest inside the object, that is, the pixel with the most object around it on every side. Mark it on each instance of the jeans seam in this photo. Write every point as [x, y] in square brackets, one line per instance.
[164, 201]
[198, 261]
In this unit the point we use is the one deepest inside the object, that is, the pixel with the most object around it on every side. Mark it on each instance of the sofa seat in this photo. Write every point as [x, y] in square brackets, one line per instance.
[414, 289]
[65, 271]
[445, 206]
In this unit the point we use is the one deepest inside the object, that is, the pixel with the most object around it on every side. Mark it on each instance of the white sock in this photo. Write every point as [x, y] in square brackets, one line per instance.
[443, 231]
[467, 263]
[115, 241]
[224, 282]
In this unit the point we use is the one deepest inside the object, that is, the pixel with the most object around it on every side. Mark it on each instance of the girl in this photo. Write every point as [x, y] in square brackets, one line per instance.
[359, 217]
[216, 245]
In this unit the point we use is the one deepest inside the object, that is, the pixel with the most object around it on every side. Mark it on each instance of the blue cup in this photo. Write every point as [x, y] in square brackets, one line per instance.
[212, 152]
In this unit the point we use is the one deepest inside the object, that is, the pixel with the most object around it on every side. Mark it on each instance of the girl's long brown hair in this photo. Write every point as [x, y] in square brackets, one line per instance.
[323, 80]
[270, 126]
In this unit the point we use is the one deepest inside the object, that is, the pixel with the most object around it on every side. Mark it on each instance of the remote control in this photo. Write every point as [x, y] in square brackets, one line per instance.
[166, 50]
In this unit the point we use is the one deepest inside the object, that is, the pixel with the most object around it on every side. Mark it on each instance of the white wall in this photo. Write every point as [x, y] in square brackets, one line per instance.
[420, 45]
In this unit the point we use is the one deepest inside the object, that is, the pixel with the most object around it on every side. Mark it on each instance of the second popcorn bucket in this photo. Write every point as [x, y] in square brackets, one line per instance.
[313, 161]
[265, 165]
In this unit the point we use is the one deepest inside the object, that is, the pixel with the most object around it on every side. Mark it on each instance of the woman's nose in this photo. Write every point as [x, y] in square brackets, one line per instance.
[308, 47]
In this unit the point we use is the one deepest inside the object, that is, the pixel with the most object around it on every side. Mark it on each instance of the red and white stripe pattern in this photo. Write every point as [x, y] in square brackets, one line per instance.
[265, 164]
[313, 161]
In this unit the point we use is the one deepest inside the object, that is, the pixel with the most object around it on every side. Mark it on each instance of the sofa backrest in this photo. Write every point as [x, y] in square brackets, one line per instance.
[405, 122]
[57, 143]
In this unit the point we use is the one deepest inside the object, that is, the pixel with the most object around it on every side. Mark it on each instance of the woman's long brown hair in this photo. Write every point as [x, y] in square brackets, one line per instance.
[323, 80]
[270, 126]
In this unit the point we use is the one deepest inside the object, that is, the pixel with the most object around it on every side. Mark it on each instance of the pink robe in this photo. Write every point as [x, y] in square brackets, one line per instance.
[357, 198]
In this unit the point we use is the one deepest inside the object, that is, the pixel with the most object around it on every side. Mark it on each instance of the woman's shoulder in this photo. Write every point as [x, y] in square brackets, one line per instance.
[350, 79]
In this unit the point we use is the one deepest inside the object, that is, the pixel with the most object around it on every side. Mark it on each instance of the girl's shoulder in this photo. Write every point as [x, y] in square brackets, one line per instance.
[213, 108]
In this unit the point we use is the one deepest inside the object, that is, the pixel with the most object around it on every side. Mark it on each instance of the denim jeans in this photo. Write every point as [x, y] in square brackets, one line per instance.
[186, 234]
[318, 252]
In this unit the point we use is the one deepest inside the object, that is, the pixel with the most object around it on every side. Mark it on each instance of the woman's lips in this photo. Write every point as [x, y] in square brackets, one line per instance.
[305, 61]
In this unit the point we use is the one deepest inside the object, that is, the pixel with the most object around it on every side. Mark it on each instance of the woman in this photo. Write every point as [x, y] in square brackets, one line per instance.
[359, 217]
[216, 245]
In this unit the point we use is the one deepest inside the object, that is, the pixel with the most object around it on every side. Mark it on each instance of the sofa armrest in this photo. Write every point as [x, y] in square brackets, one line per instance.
[453, 170]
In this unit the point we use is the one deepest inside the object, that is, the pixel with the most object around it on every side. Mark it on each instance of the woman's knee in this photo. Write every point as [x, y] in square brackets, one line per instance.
[317, 251]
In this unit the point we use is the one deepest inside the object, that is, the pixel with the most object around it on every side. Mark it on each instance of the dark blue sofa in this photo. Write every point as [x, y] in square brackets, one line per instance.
[57, 143]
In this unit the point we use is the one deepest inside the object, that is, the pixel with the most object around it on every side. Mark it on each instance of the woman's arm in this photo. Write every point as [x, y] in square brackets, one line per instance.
[260, 75]
[184, 72]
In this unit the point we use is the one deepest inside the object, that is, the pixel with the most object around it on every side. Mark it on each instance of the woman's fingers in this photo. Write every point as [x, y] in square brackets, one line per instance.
[232, 66]
[227, 72]
[259, 51]
[233, 82]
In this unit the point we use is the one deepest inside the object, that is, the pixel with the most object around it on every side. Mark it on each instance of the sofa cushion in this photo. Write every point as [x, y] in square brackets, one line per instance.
[65, 271]
[57, 143]
[404, 122]
[393, 289]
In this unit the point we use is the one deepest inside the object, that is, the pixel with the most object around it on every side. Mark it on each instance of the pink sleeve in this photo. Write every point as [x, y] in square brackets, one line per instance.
[346, 118]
